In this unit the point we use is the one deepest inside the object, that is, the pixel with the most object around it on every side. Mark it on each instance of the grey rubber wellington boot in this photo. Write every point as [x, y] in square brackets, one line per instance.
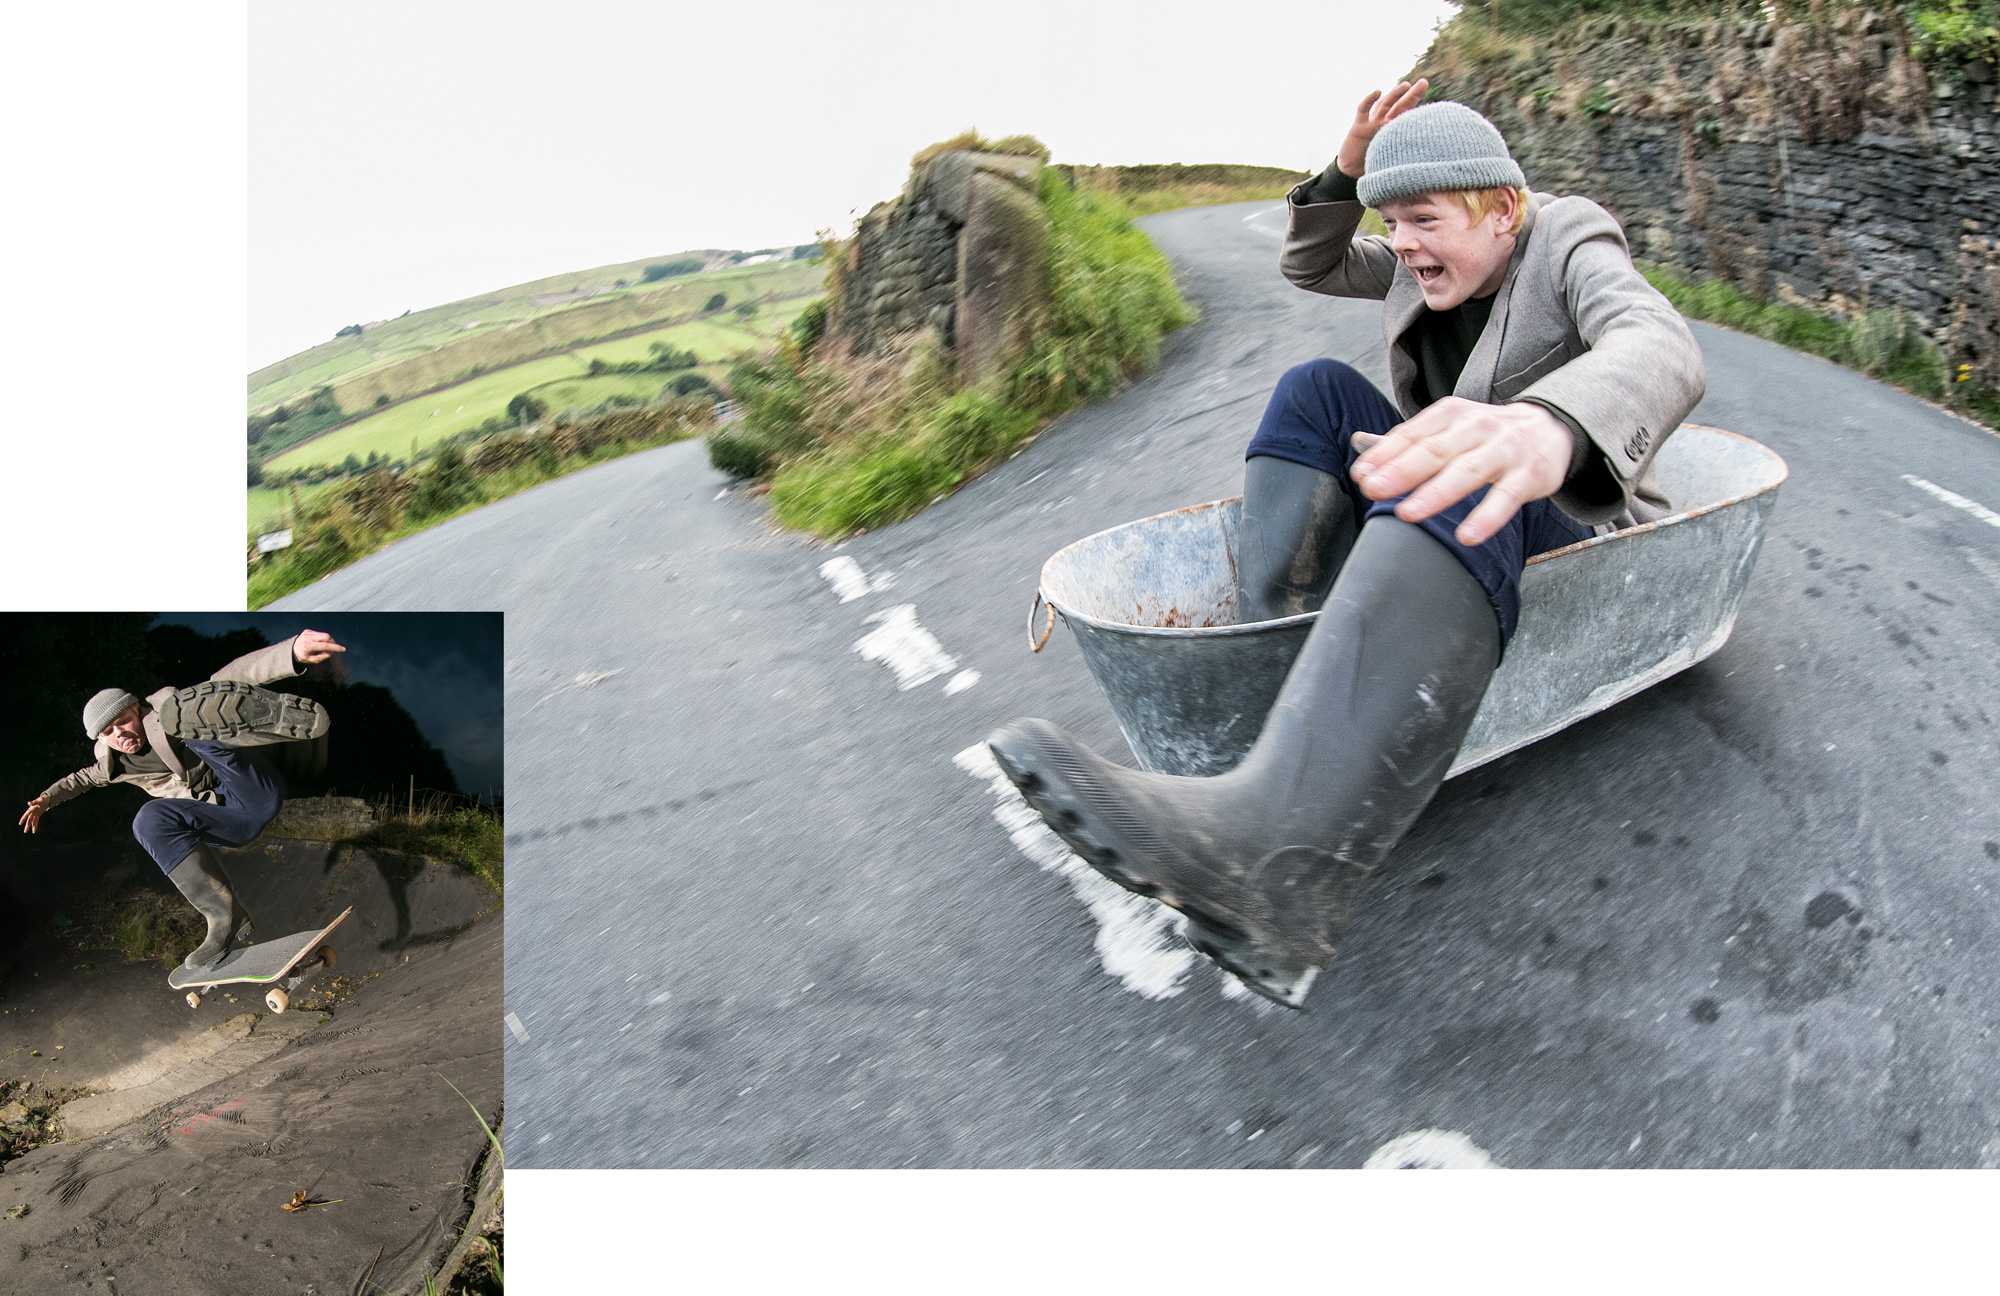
[241, 715]
[1298, 527]
[1265, 859]
[199, 878]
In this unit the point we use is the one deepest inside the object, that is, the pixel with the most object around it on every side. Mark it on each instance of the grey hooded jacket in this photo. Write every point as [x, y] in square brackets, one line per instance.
[1574, 326]
[186, 778]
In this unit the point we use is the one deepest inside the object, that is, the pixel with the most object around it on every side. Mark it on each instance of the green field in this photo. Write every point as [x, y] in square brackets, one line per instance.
[424, 348]
[580, 395]
[271, 509]
[470, 403]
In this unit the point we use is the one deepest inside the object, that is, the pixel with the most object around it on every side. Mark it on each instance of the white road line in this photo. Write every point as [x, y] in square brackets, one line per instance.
[1982, 564]
[850, 582]
[584, 680]
[962, 681]
[1252, 221]
[905, 647]
[846, 577]
[514, 1024]
[1234, 989]
[1431, 1149]
[1957, 501]
[1136, 937]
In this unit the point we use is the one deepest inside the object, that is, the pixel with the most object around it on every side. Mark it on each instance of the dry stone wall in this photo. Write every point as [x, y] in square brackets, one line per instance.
[1814, 162]
[963, 250]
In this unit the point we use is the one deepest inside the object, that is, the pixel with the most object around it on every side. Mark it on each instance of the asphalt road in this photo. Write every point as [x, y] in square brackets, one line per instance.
[764, 914]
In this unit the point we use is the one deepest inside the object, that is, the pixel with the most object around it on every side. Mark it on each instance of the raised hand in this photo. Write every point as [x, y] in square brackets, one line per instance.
[314, 646]
[1452, 448]
[1377, 110]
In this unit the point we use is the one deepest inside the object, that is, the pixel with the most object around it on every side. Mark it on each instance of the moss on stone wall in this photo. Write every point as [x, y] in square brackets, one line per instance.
[1812, 160]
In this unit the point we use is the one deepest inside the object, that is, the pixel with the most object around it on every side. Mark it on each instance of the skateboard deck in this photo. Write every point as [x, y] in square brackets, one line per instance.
[262, 963]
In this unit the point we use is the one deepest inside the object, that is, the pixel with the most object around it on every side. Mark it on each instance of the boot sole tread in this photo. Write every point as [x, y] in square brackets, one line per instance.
[1072, 824]
[218, 710]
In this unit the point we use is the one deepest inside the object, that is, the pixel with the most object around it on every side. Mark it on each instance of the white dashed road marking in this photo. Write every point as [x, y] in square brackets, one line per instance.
[1136, 937]
[514, 1024]
[898, 642]
[584, 680]
[850, 582]
[846, 577]
[1431, 1149]
[1957, 501]
[905, 647]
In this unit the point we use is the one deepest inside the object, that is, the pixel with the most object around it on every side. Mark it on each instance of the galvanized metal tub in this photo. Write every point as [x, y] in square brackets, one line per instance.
[1153, 606]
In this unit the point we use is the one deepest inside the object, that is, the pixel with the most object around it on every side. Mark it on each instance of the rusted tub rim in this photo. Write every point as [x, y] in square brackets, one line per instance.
[1123, 627]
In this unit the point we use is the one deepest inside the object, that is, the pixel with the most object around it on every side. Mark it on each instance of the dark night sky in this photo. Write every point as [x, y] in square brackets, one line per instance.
[444, 668]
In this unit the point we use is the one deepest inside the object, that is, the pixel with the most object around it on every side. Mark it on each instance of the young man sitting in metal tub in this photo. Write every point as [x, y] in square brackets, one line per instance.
[1534, 375]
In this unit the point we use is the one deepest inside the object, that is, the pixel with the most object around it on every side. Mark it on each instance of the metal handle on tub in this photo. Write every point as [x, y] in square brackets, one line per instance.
[1034, 644]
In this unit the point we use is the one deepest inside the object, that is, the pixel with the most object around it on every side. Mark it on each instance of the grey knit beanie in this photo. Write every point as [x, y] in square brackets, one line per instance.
[1434, 147]
[105, 706]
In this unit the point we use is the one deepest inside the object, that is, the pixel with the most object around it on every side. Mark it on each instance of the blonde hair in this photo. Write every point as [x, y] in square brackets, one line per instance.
[1479, 202]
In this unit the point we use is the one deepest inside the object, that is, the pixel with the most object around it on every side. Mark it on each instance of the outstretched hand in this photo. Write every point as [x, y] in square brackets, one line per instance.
[1377, 110]
[1452, 448]
[36, 809]
[314, 646]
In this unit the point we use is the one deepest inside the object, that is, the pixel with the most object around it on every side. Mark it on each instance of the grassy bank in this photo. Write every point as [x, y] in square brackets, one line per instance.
[271, 506]
[467, 837]
[852, 443]
[360, 515]
[1884, 344]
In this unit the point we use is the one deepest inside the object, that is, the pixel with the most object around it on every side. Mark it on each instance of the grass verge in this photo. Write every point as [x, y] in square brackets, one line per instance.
[852, 443]
[1884, 344]
[465, 836]
[480, 1272]
[449, 829]
[363, 514]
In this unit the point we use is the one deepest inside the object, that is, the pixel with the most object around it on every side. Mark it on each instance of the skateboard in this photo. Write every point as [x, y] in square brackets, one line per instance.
[291, 960]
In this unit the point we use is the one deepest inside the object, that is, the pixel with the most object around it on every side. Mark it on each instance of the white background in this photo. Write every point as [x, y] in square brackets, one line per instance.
[403, 155]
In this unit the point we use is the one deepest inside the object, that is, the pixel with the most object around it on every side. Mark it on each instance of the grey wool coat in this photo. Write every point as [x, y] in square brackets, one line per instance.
[1573, 326]
[186, 778]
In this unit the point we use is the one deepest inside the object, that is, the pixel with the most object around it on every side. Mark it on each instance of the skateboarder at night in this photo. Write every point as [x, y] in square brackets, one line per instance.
[1534, 374]
[193, 749]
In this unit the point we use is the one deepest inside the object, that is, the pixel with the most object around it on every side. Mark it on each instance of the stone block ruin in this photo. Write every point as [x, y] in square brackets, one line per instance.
[962, 250]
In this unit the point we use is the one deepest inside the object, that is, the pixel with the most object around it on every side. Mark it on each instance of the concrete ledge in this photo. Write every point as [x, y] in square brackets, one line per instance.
[182, 1068]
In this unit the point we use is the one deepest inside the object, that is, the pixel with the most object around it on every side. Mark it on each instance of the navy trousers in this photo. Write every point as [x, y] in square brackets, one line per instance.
[1311, 419]
[252, 793]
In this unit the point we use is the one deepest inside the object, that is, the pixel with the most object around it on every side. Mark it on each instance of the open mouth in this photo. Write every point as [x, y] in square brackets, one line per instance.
[1428, 275]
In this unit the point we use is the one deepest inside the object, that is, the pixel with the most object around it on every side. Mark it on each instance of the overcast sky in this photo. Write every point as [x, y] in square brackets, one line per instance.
[407, 154]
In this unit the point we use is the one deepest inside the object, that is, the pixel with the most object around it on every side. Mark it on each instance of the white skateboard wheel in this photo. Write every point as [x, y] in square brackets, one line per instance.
[194, 999]
[277, 1000]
